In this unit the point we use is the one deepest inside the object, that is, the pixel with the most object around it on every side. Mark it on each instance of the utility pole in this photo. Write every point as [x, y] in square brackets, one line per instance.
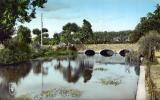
[41, 29]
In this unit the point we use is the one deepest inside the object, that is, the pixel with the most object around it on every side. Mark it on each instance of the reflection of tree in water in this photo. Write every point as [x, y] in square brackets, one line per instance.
[38, 68]
[137, 69]
[15, 72]
[4, 91]
[11, 75]
[84, 69]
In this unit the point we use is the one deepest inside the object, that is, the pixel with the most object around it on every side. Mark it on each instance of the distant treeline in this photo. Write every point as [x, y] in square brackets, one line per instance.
[112, 37]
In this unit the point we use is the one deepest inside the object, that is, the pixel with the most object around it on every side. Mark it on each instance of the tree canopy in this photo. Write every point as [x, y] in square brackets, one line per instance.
[71, 27]
[86, 30]
[24, 34]
[16, 10]
[37, 32]
[148, 23]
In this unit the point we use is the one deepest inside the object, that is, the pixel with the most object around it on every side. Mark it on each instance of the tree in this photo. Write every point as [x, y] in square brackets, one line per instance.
[16, 10]
[56, 38]
[23, 39]
[36, 31]
[66, 37]
[45, 35]
[24, 35]
[148, 23]
[86, 30]
[71, 27]
[44, 30]
[149, 44]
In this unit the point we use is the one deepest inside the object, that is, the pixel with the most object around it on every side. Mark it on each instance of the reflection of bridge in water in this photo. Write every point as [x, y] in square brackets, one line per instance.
[114, 59]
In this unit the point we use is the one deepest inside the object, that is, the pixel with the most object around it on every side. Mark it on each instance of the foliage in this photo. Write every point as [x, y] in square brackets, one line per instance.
[16, 10]
[86, 30]
[133, 58]
[71, 27]
[114, 82]
[24, 35]
[66, 37]
[112, 37]
[14, 52]
[5, 33]
[148, 45]
[56, 92]
[148, 23]
[49, 52]
[72, 33]
[36, 31]
[55, 40]
[69, 30]
[45, 35]
[10, 57]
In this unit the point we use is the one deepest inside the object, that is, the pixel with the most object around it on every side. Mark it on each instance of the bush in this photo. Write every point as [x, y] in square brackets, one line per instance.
[14, 52]
[8, 56]
[132, 58]
[149, 44]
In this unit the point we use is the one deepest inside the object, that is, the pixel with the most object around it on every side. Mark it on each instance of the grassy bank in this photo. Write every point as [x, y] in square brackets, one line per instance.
[153, 87]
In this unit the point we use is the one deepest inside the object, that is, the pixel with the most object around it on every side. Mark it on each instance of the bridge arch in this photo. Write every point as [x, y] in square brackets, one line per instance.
[124, 52]
[90, 52]
[107, 53]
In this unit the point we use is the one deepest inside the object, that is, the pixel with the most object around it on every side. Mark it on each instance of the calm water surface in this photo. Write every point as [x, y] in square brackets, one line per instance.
[79, 78]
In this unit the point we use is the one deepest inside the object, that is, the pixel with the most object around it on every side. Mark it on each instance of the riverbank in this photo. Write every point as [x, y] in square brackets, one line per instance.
[8, 57]
[153, 79]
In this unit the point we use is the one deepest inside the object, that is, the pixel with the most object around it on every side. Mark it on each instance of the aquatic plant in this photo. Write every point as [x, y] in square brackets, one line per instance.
[114, 82]
[100, 69]
[62, 92]
[22, 97]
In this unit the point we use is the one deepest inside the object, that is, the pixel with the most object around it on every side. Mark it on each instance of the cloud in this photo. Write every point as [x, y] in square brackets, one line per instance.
[59, 17]
[55, 6]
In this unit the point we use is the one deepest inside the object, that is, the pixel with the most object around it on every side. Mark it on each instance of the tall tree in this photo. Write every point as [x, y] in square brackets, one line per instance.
[66, 34]
[16, 10]
[86, 30]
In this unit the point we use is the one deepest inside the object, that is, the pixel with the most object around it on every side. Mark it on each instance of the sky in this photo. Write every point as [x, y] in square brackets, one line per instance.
[104, 15]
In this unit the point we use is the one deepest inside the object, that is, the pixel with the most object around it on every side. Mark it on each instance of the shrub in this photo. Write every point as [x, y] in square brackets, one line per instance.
[133, 58]
[8, 56]
[14, 52]
[149, 44]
